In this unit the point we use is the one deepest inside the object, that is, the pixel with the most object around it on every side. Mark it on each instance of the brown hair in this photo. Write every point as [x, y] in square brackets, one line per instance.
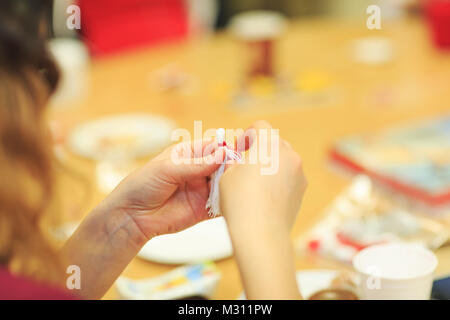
[28, 76]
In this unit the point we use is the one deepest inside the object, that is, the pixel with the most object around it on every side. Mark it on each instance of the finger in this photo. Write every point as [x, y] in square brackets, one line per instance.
[251, 134]
[244, 141]
[201, 168]
[230, 163]
[195, 148]
[261, 124]
[286, 143]
[204, 147]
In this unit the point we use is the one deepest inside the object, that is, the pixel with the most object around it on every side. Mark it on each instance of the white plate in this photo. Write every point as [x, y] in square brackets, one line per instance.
[207, 240]
[373, 50]
[311, 281]
[146, 133]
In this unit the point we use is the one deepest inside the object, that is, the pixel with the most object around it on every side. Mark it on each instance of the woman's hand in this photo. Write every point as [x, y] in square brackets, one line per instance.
[167, 196]
[160, 197]
[249, 197]
[164, 197]
[260, 211]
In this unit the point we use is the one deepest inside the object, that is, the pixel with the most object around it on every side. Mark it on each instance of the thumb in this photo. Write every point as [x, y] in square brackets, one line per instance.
[198, 167]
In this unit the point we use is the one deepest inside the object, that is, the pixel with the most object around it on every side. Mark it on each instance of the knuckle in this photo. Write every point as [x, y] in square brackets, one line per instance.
[305, 182]
[286, 144]
[167, 163]
[261, 124]
[297, 161]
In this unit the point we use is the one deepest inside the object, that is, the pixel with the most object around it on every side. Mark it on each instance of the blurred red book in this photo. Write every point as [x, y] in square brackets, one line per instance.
[413, 161]
[109, 26]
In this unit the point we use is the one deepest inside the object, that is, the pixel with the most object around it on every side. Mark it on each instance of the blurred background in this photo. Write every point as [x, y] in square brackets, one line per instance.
[361, 92]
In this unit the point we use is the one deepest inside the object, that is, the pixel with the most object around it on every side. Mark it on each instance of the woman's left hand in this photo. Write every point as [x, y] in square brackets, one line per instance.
[163, 196]
[167, 196]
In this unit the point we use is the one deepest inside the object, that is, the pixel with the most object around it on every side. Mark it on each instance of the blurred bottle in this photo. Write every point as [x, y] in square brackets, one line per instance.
[258, 31]
[202, 16]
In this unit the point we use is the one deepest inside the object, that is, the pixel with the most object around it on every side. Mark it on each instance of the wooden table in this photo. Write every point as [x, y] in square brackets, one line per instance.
[419, 76]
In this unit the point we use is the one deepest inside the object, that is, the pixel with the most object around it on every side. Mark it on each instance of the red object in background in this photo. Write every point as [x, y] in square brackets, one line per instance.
[110, 26]
[345, 240]
[261, 58]
[13, 287]
[438, 15]
[410, 191]
[314, 245]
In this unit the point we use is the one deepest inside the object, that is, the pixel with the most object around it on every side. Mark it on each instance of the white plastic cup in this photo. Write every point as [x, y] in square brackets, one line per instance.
[258, 25]
[72, 57]
[395, 272]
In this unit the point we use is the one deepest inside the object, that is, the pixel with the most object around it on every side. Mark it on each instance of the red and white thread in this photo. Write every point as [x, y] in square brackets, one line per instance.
[213, 203]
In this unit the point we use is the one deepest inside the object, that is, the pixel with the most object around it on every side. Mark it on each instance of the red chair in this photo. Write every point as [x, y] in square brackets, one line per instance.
[110, 26]
[438, 14]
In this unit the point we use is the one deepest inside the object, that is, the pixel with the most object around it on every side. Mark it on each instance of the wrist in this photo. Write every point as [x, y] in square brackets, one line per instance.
[265, 252]
[102, 246]
[258, 224]
[119, 227]
[256, 234]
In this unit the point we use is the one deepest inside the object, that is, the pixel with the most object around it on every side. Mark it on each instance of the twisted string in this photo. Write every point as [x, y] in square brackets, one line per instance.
[213, 202]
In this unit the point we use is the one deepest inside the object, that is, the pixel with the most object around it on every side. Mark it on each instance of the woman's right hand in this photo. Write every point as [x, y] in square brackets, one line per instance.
[249, 198]
[260, 211]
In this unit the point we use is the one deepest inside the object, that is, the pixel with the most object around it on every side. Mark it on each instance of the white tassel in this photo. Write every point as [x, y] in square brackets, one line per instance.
[213, 203]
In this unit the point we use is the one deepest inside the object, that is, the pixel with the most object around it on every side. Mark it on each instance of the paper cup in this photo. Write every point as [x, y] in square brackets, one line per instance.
[257, 25]
[72, 58]
[258, 30]
[395, 272]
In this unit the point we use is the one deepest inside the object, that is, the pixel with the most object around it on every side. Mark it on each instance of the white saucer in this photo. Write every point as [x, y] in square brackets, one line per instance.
[207, 240]
[146, 134]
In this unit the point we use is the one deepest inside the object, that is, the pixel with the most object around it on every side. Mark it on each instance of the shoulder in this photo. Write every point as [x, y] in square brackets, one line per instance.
[15, 287]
